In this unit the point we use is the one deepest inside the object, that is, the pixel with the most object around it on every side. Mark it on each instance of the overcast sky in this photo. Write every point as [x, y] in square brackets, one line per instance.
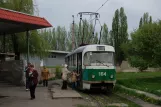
[59, 12]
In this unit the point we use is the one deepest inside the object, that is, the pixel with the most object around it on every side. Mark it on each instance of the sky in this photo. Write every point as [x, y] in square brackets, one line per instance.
[59, 12]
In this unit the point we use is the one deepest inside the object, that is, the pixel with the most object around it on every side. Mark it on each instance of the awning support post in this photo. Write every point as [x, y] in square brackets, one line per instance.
[4, 43]
[28, 50]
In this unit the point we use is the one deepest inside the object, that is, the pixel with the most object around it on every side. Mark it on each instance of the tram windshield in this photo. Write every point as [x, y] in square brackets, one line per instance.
[98, 58]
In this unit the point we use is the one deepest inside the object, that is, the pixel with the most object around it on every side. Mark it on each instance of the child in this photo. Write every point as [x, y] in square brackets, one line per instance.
[74, 79]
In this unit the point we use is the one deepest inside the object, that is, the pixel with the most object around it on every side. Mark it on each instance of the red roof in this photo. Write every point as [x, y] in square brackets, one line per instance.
[24, 18]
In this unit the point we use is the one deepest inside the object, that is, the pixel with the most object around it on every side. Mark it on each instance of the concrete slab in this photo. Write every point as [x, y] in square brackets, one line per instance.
[58, 93]
[19, 97]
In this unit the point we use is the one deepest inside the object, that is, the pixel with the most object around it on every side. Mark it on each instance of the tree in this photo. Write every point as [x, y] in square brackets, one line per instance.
[18, 41]
[53, 41]
[141, 22]
[119, 33]
[150, 20]
[145, 48]
[95, 40]
[123, 26]
[25, 6]
[82, 33]
[145, 19]
[105, 35]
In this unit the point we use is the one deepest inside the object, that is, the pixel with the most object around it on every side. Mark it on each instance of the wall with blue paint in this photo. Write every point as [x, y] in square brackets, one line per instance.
[57, 60]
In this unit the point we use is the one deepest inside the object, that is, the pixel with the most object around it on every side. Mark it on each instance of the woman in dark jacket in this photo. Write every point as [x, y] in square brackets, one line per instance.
[33, 80]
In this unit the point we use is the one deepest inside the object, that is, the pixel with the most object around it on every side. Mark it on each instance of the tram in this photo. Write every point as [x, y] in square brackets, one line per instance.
[95, 64]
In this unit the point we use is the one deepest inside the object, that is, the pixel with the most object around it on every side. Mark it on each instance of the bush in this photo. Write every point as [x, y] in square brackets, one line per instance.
[138, 62]
[58, 72]
[52, 79]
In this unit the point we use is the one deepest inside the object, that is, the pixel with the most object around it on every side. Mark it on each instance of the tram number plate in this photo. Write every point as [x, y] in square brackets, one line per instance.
[102, 73]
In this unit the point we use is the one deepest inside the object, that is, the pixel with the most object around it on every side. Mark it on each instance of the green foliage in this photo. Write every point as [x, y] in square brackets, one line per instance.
[144, 50]
[145, 81]
[17, 43]
[80, 105]
[52, 79]
[141, 22]
[138, 62]
[119, 33]
[106, 36]
[146, 19]
[25, 6]
[58, 72]
[121, 90]
[60, 39]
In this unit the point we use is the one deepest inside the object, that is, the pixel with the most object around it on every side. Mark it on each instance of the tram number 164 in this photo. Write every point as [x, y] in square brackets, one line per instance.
[102, 73]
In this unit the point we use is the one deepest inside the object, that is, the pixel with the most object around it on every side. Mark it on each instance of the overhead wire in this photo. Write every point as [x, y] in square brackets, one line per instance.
[102, 5]
[99, 20]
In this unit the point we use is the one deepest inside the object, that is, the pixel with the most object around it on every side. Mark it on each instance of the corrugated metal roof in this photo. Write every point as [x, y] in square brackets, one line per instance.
[10, 15]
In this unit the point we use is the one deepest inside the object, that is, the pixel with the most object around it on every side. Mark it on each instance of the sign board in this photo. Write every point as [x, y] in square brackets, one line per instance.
[100, 48]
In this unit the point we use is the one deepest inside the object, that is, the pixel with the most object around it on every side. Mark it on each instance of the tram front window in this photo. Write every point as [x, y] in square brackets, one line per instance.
[103, 58]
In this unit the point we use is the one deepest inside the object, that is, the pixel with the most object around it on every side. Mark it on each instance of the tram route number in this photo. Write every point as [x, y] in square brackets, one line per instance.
[102, 73]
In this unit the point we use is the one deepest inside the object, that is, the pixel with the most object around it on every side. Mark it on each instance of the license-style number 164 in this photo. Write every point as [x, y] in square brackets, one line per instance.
[102, 73]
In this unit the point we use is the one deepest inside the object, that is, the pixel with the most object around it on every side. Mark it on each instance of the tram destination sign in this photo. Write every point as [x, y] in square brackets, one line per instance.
[100, 48]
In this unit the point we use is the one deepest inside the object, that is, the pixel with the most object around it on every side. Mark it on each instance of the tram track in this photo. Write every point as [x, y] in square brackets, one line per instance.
[95, 99]
[99, 99]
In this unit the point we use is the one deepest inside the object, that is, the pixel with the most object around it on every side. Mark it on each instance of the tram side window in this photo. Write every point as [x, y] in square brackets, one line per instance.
[87, 58]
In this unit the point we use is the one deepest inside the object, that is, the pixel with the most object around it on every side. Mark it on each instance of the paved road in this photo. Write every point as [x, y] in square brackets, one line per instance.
[18, 97]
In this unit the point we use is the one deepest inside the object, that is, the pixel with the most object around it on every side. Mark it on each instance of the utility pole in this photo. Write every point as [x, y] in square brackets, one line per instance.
[73, 43]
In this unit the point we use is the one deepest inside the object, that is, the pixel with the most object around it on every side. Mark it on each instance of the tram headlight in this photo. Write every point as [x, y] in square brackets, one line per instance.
[93, 76]
[111, 76]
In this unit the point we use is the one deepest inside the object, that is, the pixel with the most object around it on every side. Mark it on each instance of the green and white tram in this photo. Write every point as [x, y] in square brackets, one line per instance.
[95, 64]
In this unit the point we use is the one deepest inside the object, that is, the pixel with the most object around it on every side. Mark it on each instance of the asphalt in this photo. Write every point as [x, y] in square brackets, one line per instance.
[18, 97]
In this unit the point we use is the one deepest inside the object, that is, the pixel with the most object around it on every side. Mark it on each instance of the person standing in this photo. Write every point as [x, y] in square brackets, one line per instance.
[27, 75]
[65, 72]
[74, 79]
[33, 80]
[45, 76]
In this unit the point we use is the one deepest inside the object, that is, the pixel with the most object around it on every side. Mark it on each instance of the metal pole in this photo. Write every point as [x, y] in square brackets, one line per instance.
[80, 26]
[4, 47]
[4, 43]
[28, 50]
[83, 34]
[73, 34]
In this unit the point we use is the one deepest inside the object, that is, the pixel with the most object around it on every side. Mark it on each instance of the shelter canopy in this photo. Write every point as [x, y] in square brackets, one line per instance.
[15, 22]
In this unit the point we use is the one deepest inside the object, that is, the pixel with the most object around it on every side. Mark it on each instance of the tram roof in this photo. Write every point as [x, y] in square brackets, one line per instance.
[80, 49]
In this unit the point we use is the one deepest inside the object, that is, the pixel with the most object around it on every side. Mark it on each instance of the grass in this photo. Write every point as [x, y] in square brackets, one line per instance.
[117, 99]
[80, 105]
[110, 99]
[122, 91]
[145, 81]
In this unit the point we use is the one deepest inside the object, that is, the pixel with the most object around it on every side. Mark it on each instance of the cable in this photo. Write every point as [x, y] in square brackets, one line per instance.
[99, 22]
[102, 5]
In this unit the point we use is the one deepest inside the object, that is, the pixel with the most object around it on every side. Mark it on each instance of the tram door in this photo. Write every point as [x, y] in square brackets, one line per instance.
[79, 68]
